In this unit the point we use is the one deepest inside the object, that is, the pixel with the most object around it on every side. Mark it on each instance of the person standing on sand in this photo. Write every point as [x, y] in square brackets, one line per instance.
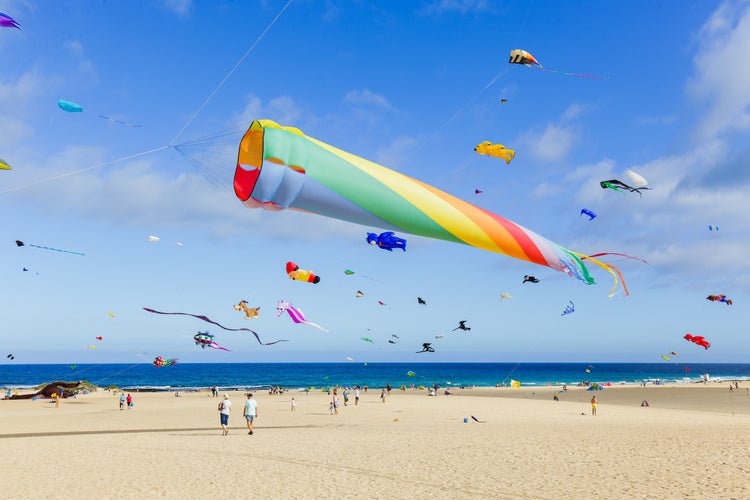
[251, 411]
[129, 400]
[294, 405]
[594, 402]
[225, 408]
[382, 395]
[356, 396]
[122, 401]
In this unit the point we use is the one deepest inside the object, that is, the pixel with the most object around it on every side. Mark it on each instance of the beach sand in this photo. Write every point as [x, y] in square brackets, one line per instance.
[692, 442]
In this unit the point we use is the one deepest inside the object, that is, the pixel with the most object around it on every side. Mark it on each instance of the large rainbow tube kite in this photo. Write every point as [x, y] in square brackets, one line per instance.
[281, 168]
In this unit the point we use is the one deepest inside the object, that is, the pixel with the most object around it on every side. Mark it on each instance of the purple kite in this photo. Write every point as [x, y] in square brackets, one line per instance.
[205, 339]
[294, 313]
[204, 318]
[8, 22]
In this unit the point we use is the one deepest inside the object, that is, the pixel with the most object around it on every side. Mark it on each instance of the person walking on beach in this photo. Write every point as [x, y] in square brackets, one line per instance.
[251, 411]
[346, 396]
[594, 402]
[335, 404]
[382, 395]
[356, 396]
[225, 408]
[129, 400]
[294, 405]
[122, 401]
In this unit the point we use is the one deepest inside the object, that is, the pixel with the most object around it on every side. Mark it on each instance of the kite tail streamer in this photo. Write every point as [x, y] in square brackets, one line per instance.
[206, 319]
[611, 270]
[579, 75]
[56, 249]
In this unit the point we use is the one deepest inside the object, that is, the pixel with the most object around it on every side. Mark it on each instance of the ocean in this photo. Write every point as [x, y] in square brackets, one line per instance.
[244, 376]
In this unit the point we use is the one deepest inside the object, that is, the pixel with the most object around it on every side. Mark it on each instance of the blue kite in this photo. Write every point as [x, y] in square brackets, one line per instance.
[586, 211]
[386, 241]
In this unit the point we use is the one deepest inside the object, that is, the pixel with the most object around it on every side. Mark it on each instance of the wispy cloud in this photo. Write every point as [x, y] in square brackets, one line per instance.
[367, 98]
[555, 141]
[461, 6]
[180, 7]
[722, 80]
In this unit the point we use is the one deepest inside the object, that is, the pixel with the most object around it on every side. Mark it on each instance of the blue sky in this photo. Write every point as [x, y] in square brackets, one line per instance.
[413, 86]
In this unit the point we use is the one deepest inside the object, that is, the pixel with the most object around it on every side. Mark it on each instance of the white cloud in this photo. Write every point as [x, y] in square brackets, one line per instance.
[460, 6]
[555, 142]
[366, 97]
[180, 7]
[722, 79]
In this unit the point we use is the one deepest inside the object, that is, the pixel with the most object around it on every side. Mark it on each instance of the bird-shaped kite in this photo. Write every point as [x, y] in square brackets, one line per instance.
[421, 301]
[426, 347]
[532, 279]
[486, 148]
[250, 312]
[462, 326]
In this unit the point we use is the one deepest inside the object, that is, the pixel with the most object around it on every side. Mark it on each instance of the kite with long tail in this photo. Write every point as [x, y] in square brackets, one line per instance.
[206, 339]
[207, 320]
[520, 56]
[21, 244]
[296, 315]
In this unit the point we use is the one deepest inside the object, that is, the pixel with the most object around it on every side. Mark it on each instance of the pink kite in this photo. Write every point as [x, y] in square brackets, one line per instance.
[296, 315]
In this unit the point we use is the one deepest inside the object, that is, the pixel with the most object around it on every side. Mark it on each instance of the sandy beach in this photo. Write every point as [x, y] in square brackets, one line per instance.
[691, 442]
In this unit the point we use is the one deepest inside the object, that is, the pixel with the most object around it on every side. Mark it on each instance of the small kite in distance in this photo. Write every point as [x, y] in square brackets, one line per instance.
[616, 185]
[486, 148]
[367, 339]
[153, 239]
[4, 165]
[68, 106]
[586, 211]
[359, 294]
[720, 298]
[99, 338]
[504, 295]
[426, 347]
[114, 120]
[439, 336]
[503, 101]
[10, 356]
[387, 241]
[421, 301]
[159, 361]
[569, 309]
[205, 339]
[8, 22]
[21, 243]
[478, 191]
[712, 228]
[462, 326]
[532, 279]
[520, 56]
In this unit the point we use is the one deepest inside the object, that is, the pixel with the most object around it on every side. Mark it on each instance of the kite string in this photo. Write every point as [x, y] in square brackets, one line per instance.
[99, 165]
[231, 72]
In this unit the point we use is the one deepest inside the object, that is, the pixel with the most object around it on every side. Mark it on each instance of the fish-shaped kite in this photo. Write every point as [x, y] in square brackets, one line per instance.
[205, 339]
[159, 361]
[68, 106]
[296, 315]
[281, 168]
[4, 165]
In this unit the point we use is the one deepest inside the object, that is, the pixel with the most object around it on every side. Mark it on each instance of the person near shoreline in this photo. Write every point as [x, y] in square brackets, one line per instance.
[251, 411]
[225, 408]
[382, 395]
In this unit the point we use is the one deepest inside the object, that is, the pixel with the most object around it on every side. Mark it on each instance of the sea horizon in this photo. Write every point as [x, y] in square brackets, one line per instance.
[245, 376]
